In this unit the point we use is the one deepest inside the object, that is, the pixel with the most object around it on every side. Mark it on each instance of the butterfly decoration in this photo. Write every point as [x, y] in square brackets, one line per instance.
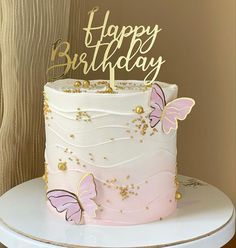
[168, 113]
[74, 205]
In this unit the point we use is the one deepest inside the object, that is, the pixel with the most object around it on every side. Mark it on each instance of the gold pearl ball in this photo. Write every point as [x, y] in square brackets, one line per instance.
[77, 84]
[178, 195]
[109, 89]
[139, 110]
[62, 166]
[86, 84]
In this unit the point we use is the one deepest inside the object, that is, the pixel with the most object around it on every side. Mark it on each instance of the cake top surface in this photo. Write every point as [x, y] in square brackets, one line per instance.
[103, 86]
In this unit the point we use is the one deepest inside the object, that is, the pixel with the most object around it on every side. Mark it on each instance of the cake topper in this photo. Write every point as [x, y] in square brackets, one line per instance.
[168, 113]
[105, 50]
[74, 205]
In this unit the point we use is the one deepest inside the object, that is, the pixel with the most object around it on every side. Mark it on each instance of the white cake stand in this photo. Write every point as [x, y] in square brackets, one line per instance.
[205, 218]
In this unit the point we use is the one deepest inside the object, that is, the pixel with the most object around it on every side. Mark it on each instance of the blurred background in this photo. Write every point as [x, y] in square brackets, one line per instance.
[197, 41]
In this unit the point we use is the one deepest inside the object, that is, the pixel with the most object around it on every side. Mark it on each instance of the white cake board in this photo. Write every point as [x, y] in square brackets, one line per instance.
[205, 218]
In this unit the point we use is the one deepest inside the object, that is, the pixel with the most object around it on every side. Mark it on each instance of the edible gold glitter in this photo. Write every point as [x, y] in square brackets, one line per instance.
[71, 90]
[46, 108]
[45, 176]
[72, 135]
[62, 166]
[83, 115]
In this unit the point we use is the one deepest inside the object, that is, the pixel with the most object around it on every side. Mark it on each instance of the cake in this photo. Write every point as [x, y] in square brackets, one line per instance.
[110, 156]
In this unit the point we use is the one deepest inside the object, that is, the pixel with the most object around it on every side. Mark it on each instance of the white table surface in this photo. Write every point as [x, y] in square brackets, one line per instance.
[205, 218]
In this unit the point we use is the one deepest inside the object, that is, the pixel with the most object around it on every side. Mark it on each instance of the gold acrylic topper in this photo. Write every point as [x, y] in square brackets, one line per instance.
[116, 35]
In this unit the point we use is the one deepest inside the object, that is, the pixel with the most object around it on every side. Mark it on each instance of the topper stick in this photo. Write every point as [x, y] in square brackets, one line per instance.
[112, 77]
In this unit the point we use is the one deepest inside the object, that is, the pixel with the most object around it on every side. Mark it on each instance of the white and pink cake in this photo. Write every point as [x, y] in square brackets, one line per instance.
[110, 155]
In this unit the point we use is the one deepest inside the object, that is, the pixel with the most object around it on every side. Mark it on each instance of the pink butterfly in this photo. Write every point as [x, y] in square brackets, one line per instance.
[75, 206]
[169, 113]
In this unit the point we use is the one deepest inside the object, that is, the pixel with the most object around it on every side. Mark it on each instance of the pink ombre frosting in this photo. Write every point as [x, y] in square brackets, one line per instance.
[134, 171]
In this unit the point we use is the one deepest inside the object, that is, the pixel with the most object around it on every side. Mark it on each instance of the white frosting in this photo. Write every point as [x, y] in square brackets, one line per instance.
[110, 145]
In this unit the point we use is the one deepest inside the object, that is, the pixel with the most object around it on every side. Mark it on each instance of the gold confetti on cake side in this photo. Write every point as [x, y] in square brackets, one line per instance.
[45, 176]
[82, 116]
[124, 190]
[46, 108]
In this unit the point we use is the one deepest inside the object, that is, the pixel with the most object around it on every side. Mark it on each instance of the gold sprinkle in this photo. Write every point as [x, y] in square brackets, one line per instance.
[108, 201]
[121, 211]
[86, 84]
[109, 90]
[146, 181]
[147, 208]
[112, 139]
[62, 166]
[84, 166]
[141, 141]
[131, 136]
[77, 84]
[105, 158]
[72, 135]
[178, 196]
[139, 110]
[128, 177]
[161, 219]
